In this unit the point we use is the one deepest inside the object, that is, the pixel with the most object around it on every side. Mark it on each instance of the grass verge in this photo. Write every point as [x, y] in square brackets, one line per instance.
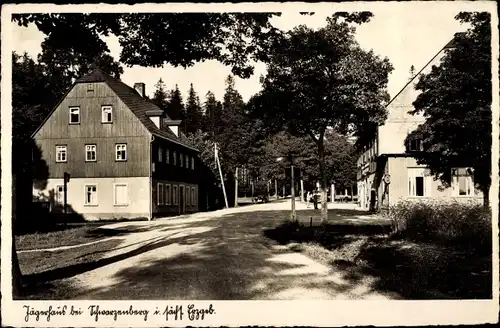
[73, 235]
[412, 269]
[66, 237]
[38, 262]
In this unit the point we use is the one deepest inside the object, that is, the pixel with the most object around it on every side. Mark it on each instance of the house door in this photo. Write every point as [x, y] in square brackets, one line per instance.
[182, 200]
[373, 200]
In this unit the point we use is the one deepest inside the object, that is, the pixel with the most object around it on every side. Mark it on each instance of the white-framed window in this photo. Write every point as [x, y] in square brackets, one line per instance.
[107, 114]
[174, 155]
[419, 182]
[181, 160]
[415, 145]
[90, 87]
[192, 163]
[90, 153]
[61, 153]
[74, 115]
[59, 194]
[193, 196]
[90, 194]
[462, 181]
[160, 154]
[121, 152]
[168, 195]
[167, 156]
[175, 195]
[121, 194]
[159, 193]
[187, 196]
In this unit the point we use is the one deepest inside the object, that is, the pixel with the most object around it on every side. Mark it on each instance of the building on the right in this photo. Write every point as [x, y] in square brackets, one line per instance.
[387, 171]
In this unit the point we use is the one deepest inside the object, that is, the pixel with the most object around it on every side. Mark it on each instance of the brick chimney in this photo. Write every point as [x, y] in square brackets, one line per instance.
[140, 88]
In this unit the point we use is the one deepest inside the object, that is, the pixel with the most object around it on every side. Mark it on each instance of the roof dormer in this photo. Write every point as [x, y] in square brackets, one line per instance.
[155, 115]
[173, 125]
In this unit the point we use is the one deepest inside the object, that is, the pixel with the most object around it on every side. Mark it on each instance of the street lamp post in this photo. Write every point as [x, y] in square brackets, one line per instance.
[293, 215]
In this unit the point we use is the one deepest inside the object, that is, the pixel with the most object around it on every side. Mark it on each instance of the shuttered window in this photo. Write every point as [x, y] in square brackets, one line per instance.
[121, 194]
[193, 196]
[175, 195]
[168, 195]
[160, 196]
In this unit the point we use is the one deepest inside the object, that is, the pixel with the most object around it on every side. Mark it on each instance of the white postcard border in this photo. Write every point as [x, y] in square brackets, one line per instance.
[237, 313]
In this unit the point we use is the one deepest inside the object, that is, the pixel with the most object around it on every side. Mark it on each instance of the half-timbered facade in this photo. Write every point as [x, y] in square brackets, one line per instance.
[124, 156]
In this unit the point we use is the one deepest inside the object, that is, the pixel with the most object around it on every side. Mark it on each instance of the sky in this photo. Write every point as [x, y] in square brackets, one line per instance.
[401, 33]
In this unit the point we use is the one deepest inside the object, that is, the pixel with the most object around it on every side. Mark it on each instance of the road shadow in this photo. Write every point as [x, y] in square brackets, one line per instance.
[224, 258]
[103, 232]
[79, 268]
[238, 256]
[330, 236]
[413, 270]
[310, 212]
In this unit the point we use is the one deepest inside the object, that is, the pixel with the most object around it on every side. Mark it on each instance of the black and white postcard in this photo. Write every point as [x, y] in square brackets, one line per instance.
[264, 164]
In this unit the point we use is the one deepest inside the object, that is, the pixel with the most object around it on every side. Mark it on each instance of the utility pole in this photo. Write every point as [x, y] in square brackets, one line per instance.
[332, 193]
[220, 173]
[236, 189]
[293, 215]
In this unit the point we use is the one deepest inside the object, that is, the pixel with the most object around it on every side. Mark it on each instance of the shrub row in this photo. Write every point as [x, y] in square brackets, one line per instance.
[461, 224]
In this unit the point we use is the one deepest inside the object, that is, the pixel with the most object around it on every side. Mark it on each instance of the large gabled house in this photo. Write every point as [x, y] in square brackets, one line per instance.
[387, 169]
[124, 156]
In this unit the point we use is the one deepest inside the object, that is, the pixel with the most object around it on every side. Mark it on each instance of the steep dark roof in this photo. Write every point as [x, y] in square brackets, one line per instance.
[137, 104]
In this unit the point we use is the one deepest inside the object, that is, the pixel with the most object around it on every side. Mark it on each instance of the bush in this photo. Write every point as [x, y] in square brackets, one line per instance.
[464, 224]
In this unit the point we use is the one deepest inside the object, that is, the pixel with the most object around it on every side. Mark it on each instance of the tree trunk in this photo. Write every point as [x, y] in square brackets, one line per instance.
[302, 197]
[323, 182]
[486, 197]
[236, 189]
[16, 271]
[276, 188]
